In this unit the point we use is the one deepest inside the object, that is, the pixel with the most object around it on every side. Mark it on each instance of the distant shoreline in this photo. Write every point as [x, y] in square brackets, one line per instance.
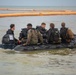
[34, 12]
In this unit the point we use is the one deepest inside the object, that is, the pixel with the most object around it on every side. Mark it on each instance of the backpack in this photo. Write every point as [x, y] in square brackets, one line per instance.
[8, 39]
[34, 36]
[54, 36]
[69, 36]
[42, 31]
[23, 34]
[63, 33]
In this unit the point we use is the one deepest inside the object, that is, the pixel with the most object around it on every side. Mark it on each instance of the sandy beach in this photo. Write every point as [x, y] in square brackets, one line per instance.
[32, 12]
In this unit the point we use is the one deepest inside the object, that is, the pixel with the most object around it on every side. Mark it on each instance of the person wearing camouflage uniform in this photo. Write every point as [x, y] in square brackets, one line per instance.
[33, 37]
[23, 33]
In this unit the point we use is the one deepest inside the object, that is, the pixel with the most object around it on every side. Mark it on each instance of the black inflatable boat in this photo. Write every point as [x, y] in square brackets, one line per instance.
[72, 44]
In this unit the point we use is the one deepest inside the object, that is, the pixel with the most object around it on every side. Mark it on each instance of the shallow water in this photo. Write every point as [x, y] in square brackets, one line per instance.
[62, 62]
[36, 63]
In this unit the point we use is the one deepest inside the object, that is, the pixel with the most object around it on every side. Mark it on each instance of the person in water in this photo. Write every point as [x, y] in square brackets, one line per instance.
[33, 36]
[66, 34]
[23, 33]
[53, 35]
[43, 31]
[10, 32]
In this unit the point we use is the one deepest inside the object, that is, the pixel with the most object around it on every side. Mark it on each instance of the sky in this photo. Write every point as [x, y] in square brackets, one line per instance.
[37, 2]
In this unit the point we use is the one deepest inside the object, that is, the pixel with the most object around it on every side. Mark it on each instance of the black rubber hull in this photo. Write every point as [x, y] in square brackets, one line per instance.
[7, 46]
[42, 47]
[46, 47]
[38, 47]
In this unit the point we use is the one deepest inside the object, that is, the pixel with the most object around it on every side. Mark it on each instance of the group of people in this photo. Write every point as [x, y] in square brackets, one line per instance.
[39, 35]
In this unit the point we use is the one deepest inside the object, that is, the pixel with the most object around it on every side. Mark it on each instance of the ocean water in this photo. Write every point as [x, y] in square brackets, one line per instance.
[28, 8]
[42, 7]
[37, 62]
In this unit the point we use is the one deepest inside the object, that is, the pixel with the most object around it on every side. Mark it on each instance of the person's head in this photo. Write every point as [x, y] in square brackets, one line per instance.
[63, 25]
[12, 27]
[52, 25]
[43, 25]
[29, 26]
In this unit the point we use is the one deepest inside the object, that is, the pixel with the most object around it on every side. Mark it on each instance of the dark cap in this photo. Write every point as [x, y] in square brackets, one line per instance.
[12, 25]
[29, 24]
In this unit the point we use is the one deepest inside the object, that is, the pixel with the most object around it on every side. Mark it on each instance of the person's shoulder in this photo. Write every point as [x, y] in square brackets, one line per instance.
[30, 30]
[24, 30]
[9, 30]
[37, 27]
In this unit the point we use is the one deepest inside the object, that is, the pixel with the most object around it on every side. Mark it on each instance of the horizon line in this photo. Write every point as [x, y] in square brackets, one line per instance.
[27, 6]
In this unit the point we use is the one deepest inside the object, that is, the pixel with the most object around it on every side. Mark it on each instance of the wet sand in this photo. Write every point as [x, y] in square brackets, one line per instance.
[32, 12]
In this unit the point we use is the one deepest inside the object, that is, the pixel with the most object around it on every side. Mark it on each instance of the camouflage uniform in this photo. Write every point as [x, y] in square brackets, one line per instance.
[33, 37]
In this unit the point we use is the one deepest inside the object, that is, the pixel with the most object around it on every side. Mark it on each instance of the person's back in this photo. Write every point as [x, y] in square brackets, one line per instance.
[43, 31]
[23, 33]
[9, 31]
[33, 37]
[53, 35]
[63, 32]
[69, 36]
[66, 34]
[9, 38]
